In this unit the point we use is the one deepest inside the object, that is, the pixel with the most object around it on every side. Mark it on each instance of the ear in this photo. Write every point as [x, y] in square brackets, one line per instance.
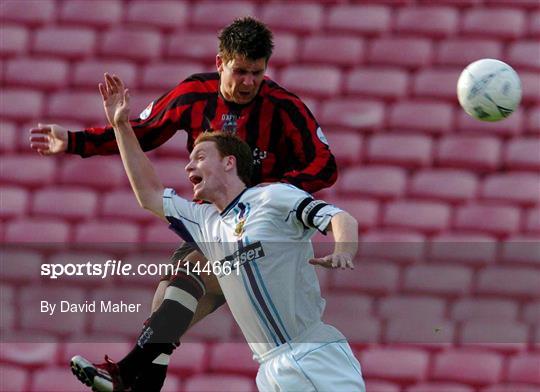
[229, 162]
[219, 63]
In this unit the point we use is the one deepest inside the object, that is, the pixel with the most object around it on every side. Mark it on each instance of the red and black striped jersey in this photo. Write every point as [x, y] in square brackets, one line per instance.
[287, 142]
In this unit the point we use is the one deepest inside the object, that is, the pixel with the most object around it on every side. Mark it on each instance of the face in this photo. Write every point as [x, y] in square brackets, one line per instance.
[206, 170]
[240, 78]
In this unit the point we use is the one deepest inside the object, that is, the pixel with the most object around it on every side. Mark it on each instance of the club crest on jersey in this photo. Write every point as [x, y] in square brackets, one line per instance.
[241, 214]
[146, 112]
[229, 122]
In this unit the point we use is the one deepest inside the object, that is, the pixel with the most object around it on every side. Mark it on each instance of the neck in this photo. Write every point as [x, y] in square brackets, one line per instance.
[227, 194]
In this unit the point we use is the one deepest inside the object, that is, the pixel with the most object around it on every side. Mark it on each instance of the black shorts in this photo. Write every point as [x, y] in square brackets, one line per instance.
[180, 254]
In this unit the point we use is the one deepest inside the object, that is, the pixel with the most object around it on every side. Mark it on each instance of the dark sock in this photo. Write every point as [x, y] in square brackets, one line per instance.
[151, 379]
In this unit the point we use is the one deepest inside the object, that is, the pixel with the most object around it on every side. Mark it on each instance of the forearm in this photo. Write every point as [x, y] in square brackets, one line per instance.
[345, 231]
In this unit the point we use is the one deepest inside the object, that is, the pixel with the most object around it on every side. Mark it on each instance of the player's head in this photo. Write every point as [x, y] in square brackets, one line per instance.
[217, 157]
[245, 46]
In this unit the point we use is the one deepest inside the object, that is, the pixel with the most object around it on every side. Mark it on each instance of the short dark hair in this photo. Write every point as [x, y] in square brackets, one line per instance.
[230, 144]
[246, 37]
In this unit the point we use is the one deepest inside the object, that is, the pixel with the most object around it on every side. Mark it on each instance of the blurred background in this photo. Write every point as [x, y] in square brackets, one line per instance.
[446, 293]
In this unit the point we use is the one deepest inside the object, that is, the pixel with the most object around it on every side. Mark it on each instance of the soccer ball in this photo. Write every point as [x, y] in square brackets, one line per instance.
[489, 90]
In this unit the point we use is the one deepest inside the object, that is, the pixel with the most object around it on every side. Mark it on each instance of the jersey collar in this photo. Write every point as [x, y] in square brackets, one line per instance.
[232, 203]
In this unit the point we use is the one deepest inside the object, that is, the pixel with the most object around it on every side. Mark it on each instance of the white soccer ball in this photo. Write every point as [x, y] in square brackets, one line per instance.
[489, 90]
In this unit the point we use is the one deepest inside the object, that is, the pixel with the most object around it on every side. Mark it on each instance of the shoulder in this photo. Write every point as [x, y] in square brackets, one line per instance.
[200, 82]
[280, 191]
[280, 95]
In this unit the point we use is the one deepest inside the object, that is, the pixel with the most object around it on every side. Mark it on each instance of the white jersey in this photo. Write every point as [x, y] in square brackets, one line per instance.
[264, 235]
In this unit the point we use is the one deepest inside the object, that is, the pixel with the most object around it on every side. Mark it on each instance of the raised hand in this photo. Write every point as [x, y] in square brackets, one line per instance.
[115, 99]
[49, 139]
[335, 260]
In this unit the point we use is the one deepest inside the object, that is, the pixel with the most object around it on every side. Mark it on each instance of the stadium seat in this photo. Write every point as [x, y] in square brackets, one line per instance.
[32, 12]
[481, 153]
[69, 42]
[512, 126]
[375, 181]
[386, 83]
[440, 386]
[522, 154]
[308, 17]
[442, 280]
[15, 201]
[218, 327]
[501, 310]
[221, 359]
[489, 219]
[132, 44]
[519, 188]
[410, 151]
[219, 383]
[393, 364]
[95, 350]
[21, 72]
[365, 211]
[360, 330]
[346, 146]
[510, 387]
[337, 50]
[202, 47]
[532, 4]
[89, 73]
[463, 51]
[533, 120]
[28, 354]
[396, 245]
[172, 174]
[422, 115]
[443, 184]
[468, 367]
[123, 204]
[21, 265]
[504, 336]
[531, 312]
[67, 104]
[532, 220]
[98, 232]
[37, 231]
[534, 24]
[14, 39]
[163, 14]
[433, 22]
[27, 170]
[401, 52]
[500, 23]
[377, 277]
[357, 115]
[424, 216]
[361, 19]
[286, 50]
[159, 235]
[530, 82]
[509, 282]
[175, 147]
[412, 307]
[167, 75]
[11, 108]
[190, 359]
[54, 380]
[72, 203]
[466, 248]
[524, 368]
[521, 249]
[102, 173]
[215, 14]
[438, 83]
[13, 378]
[84, 12]
[381, 386]
[299, 78]
[425, 333]
[525, 55]
[345, 303]
[9, 134]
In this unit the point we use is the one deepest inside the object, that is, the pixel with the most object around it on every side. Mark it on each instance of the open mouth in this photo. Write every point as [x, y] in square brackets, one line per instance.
[195, 180]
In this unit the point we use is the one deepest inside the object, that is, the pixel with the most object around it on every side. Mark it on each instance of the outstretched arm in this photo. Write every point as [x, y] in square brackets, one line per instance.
[142, 176]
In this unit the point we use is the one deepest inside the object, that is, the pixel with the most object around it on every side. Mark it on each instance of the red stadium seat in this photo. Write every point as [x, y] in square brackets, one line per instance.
[21, 72]
[509, 282]
[190, 359]
[439, 83]
[99, 172]
[123, 204]
[346, 146]
[11, 108]
[530, 83]
[521, 249]
[534, 24]
[168, 75]
[307, 17]
[84, 12]
[381, 386]
[411, 151]
[424, 116]
[215, 14]
[8, 136]
[54, 380]
[14, 39]
[533, 4]
[432, 21]
[402, 52]
[519, 188]
[505, 336]
[522, 154]
[366, 211]
[532, 222]
[202, 46]
[219, 383]
[13, 378]
[28, 170]
[524, 368]
[401, 365]
[286, 49]
[444, 280]
[411, 307]
[531, 312]
[67, 42]
[424, 216]
[95, 350]
[475, 249]
[443, 184]
[21, 265]
[525, 54]
[345, 303]
[360, 330]
[66, 202]
[89, 73]
[29, 354]
[15, 201]
[337, 50]
[376, 181]
[389, 83]
[376, 277]
[468, 367]
[502, 23]
[513, 125]
[509, 387]
[158, 234]
[533, 120]
[32, 12]
[394, 245]
[501, 310]
[132, 44]
[357, 115]
[361, 19]
[67, 104]
[463, 51]
[35, 230]
[106, 231]
[490, 219]
[172, 174]
[469, 152]
[218, 327]
[221, 356]
[298, 78]
[440, 386]
[164, 14]
[175, 147]
[425, 333]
